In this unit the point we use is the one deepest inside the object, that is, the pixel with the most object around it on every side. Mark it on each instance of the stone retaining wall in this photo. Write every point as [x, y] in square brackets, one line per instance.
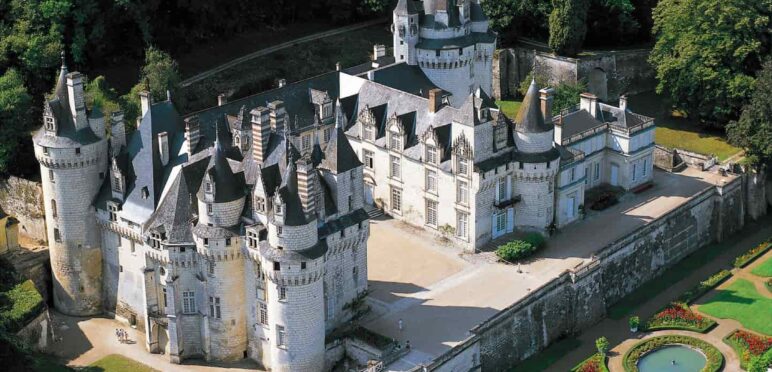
[37, 333]
[579, 298]
[23, 199]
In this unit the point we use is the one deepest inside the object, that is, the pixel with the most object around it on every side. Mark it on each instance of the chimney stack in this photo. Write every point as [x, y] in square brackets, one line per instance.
[546, 96]
[278, 116]
[379, 50]
[261, 133]
[77, 104]
[589, 103]
[282, 83]
[117, 131]
[163, 147]
[222, 99]
[337, 66]
[623, 102]
[435, 100]
[192, 133]
[146, 101]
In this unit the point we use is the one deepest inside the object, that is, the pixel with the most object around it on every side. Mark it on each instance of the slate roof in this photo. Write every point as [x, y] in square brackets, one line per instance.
[173, 215]
[577, 122]
[472, 38]
[406, 7]
[529, 118]
[227, 185]
[621, 118]
[294, 215]
[404, 77]
[339, 157]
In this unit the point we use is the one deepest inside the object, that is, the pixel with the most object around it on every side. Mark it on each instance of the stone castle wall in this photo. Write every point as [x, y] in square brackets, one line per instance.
[23, 199]
[579, 298]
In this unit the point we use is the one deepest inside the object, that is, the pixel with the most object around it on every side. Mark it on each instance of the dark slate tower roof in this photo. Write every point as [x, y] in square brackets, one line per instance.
[339, 157]
[288, 191]
[227, 185]
[173, 214]
[530, 119]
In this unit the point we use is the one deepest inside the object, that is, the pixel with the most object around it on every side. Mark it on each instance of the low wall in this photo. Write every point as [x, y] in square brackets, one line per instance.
[674, 159]
[579, 298]
[23, 199]
[37, 333]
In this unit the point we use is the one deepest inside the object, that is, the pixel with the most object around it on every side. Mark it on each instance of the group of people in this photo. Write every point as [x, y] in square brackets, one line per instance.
[122, 335]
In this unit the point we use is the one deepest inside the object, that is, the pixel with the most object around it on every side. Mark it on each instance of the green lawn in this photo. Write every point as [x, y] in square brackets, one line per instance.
[764, 270]
[545, 358]
[741, 301]
[509, 107]
[691, 140]
[118, 363]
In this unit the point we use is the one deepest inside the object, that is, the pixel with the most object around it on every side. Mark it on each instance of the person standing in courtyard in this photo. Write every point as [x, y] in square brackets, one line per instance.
[400, 324]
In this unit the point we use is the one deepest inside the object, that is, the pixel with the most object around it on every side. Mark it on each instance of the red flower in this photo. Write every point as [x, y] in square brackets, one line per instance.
[757, 345]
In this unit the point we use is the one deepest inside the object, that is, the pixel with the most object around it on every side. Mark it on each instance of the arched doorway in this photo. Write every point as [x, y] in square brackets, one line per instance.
[598, 84]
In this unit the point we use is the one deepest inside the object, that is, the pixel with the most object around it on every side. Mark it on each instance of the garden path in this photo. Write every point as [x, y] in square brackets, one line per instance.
[617, 331]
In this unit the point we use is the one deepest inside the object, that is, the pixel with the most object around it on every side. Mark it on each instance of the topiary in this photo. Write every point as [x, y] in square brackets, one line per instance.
[514, 250]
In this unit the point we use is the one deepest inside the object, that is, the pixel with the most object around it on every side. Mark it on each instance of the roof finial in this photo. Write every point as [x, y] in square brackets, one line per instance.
[64, 60]
[217, 143]
[338, 114]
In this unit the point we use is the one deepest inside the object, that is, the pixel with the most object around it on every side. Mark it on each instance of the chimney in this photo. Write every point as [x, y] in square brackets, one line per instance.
[117, 131]
[379, 50]
[278, 116]
[192, 133]
[558, 132]
[337, 66]
[77, 104]
[623, 102]
[306, 185]
[261, 133]
[546, 96]
[282, 83]
[146, 100]
[222, 99]
[163, 147]
[435, 100]
[371, 75]
[589, 103]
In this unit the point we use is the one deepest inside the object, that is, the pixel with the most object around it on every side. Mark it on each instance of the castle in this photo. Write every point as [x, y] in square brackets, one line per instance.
[240, 231]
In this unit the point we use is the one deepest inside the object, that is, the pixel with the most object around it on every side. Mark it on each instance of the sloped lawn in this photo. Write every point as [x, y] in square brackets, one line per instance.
[741, 301]
[118, 363]
[764, 270]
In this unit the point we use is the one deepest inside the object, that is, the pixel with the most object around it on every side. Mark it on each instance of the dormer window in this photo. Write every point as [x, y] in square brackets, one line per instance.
[327, 110]
[50, 124]
[462, 166]
[369, 132]
[500, 136]
[395, 142]
[277, 208]
[260, 204]
[431, 154]
[145, 193]
[208, 187]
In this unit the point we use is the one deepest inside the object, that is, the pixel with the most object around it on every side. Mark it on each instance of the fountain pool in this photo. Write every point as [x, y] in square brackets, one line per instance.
[661, 360]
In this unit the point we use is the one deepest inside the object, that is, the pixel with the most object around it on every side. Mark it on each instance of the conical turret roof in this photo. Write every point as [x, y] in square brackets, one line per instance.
[227, 185]
[339, 156]
[529, 118]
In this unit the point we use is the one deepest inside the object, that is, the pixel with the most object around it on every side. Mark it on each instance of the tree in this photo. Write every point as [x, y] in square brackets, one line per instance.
[99, 94]
[753, 131]
[159, 75]
[500, 13]
[602, 345]
[568, 26]
[15, 105]
[566, 93]
[707, 52]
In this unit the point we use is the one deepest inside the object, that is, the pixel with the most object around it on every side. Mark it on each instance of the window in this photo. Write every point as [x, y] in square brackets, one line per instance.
[327, 134]
[145, 193]
[277, 208]
[53, 208]
[521, 166]
[355, 276]
[211, 267]
[51, 176]
[57, 236]
[431, 154]
[113, 210]
[214, 307]
[462, 224]
[282, 293]
[206, 242]
[396, 141]
[260, 204]
[396, 199]
[276, 266]
[303, 265]
[431, 212]
[209, 208]
[500, 136]
[635, 170]
[463, 166]
[208, 186]
[597, 171]
[263, 314]
[166, 302]
[462, 192]
[350, 202]
[431, 180]
[501, 221]
[305, 142]
[77, 151]
[645, 161]
[502, 195]
[45, 150]
[261, 294]
[396, 169]
[227, 241]
[572, 175]
[368, 156]
[132, 246]
[586, 175]
[369, 133]
[281, 340]
[279, 230]
[188, 302]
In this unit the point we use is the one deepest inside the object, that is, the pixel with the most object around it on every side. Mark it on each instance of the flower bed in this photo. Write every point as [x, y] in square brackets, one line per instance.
[678, 315]
[704, 286]
[748, 257]
[748, 345]
[595, 363]
[714, 358]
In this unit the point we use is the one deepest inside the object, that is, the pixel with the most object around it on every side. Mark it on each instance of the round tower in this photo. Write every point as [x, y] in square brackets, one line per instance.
[221, 198]
[538, 161]
[405, 31]
[72, 151]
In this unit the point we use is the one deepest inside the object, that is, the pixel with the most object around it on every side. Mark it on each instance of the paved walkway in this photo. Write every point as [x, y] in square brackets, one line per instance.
[278, 47]
[618, 333]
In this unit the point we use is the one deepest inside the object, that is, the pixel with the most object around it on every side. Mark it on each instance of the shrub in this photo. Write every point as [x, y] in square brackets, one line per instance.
[678, 315]
[20, 305]
[515, 250]
[535, 239]
[595, 363]
[748, 257]
[634, 321]
[715, 359]
[761, 363]
[748, 345]
[602, 345]
[704, 286]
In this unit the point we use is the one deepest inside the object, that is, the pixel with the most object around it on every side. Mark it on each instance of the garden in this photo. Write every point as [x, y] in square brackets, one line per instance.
[742, 302]
[748, 345]
[678, 315]
[714, 360]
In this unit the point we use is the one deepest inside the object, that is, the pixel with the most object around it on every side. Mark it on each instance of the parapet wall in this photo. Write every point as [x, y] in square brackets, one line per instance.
[23, 199]
[580, 297]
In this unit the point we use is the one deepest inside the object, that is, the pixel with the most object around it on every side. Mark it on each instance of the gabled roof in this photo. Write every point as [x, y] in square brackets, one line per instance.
[173, 214]
[529, 118]
[339, 157]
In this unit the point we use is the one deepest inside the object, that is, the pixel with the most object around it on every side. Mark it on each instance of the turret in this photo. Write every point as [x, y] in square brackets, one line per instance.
[73, 165]
[405, 30]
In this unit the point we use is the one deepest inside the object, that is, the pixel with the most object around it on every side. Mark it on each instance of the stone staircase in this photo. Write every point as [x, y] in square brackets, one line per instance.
[373, 212]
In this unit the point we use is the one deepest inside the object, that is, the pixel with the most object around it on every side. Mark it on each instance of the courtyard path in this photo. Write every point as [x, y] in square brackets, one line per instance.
[618, 333]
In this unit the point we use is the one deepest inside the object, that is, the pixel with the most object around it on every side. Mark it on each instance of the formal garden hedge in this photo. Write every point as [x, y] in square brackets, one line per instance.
[748, 257]
[519, 249]
[748, 345]
[704, 286]
[595, 363]
[715, 360]
[678, 315]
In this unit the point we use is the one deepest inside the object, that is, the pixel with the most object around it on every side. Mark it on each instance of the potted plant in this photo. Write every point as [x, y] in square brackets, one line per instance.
[634, 321]
[602, 345]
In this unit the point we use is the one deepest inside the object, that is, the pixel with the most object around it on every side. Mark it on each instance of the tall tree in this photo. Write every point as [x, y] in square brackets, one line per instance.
[753, 131]
[568, 26]
[159, 75]
[15, 105]
[707, 52]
